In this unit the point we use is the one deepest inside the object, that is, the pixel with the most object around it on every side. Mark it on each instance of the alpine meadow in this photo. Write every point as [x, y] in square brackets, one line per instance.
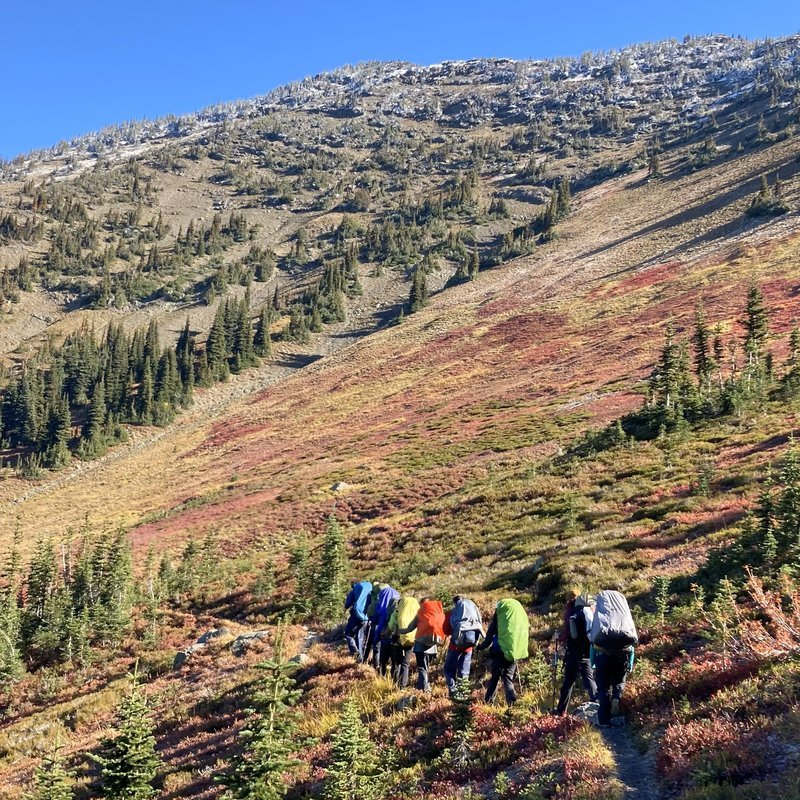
[317, 409]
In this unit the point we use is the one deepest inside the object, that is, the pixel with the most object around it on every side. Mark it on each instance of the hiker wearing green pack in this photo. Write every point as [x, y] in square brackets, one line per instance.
[507, 640]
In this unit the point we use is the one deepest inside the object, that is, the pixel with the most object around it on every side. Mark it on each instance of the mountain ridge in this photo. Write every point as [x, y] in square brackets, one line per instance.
[300, 93]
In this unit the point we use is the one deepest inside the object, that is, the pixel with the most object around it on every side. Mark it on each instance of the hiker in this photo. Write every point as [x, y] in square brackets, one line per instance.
[429, 626]
[464, 626]
[507, 640]
[613, 637]
[386, 642]
[577, 647]
[355, 630]
[372, 604]
[405, 612]
[569, 609]
[380, 622]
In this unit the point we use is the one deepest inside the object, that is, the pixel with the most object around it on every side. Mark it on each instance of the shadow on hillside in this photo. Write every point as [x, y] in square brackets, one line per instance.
[386, 316]
[662, 539]
[733, 193]
[68, 717]
[232, 606]
[297, 360]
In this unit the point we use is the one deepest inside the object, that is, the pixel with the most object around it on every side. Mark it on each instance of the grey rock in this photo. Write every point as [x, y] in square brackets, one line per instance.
[587, 711]
[184, 655]
[214, 633]
[242, 643]
[409, 701]
[301, 658]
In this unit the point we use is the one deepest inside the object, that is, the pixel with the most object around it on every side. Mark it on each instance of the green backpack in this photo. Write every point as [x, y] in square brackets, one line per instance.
[512, 629]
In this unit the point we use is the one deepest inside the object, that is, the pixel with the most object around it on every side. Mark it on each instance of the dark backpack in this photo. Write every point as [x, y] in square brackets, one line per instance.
[578, 631]
[466, 639]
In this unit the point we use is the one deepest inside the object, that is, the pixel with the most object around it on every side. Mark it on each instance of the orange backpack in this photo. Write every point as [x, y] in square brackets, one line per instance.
[430, 622]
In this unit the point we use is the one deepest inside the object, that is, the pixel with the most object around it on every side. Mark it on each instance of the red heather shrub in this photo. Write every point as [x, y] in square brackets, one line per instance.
[720, 748]
[695, 678]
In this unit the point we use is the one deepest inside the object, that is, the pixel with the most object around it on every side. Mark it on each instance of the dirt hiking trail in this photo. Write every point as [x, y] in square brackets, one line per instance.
[635, 771]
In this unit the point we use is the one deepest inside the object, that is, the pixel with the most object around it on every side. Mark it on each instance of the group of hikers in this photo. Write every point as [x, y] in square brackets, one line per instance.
[596, 641]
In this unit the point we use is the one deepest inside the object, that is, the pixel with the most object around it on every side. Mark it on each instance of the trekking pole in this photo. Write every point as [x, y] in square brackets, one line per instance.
[555, 671]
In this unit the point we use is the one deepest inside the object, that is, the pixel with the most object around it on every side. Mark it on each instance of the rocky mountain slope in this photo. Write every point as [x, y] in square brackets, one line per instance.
[459, 447]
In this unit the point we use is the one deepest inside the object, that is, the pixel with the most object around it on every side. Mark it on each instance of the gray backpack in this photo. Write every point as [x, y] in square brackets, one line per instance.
[613, 627]
[466, 624]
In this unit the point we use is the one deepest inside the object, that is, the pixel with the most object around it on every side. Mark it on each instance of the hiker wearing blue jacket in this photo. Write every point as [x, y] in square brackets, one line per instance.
[356, 628]
[379, 621]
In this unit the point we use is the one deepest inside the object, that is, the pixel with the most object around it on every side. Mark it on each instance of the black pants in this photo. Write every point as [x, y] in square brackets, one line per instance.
[401, 663]
[575, 664]
[503, 669]
[384, 656]
[610, 671]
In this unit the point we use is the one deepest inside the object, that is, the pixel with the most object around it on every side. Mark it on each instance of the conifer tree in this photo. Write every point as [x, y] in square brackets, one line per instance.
[146, 399]
[791, 380]
[333, 571]
[768, 542]
[184, 355]
[41, 583]
[244, 355]
[354, 771]
[262, 341]
[654, 165]
[474, 264]
[703, 359]
[51, 780]
[112, 573]
[755, 325]
[418, 296]
[97, 413]
[268, 736]
[789, 503]
[264, 584]
[463, 725]
[550, 216]
[564, 198]
[297, 329]
[59, 434]
[302, 576]
[216, 347]
[11, 666]
[129, 760]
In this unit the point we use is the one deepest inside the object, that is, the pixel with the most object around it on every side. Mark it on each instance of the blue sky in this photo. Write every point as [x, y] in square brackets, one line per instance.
[73, 67]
